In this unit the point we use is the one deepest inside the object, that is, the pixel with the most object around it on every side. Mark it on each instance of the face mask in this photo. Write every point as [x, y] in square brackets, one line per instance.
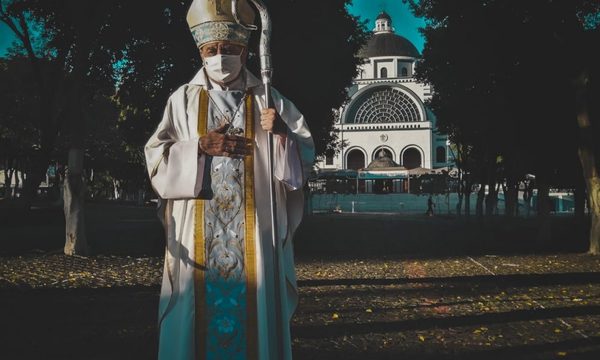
[223, 68]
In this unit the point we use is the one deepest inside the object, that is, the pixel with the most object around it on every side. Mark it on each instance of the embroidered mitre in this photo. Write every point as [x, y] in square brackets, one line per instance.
[212, 20]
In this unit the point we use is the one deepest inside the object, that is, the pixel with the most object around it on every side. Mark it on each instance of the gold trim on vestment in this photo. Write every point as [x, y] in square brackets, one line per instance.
[250, 241]
[199, 246]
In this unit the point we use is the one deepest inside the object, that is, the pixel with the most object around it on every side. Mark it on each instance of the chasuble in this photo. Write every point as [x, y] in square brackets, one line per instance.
[217, 296]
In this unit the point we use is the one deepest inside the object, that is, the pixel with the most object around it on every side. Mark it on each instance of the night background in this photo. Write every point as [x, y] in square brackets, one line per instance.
[494, 256]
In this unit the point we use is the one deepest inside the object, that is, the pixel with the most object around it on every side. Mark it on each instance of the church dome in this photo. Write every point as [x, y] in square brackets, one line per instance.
[383, 15]
[385, 42]
[389, 44]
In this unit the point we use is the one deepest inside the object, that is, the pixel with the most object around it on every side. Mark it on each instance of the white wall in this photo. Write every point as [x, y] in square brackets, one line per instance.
[398, 139]
[371, 69]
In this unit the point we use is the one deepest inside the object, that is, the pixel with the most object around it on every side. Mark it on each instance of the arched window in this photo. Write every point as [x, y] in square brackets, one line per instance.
[404, 71]
[440, 154]
[411, 158]
[355, 159]
[383, 73]
[387, 105]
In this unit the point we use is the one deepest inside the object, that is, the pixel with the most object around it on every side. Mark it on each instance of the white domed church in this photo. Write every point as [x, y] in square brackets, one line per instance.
[386, 116]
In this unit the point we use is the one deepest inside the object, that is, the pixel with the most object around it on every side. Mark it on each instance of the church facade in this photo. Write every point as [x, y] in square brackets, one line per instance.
[386, 115]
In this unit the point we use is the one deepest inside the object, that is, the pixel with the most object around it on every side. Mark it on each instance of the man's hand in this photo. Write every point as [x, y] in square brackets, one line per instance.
[217, 143]
[271, 121]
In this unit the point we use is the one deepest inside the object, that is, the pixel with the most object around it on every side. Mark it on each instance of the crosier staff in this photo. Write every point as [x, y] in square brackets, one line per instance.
[266, 71]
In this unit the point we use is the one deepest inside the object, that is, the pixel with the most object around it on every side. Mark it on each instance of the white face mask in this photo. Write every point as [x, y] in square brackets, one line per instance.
[223, 68]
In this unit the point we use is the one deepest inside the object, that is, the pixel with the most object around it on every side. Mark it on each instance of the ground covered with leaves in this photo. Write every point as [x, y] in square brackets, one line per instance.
[372, 286]
[385, 307]
[526, 307]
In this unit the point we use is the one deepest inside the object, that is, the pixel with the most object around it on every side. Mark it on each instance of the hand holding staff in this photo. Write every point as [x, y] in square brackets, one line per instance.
[266, 71]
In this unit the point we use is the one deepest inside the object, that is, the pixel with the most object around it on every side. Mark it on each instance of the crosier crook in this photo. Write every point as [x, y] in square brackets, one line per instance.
[266, 71]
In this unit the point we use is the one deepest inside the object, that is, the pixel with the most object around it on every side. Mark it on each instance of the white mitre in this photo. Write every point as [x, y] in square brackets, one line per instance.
[212, 20]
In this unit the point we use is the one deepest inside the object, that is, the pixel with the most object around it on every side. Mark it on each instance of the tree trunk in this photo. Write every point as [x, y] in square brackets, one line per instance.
[579, 196]
[5, 170]
[511, 197]
[587, 156]
[116, 189]
[543, 209]
[74, 197]
[468, 201]
[17, 183]
[543, 198]
[459, 193]
[527, 196]
[468, 190]
[595, 231]
[480, 199]
[491, 199]
[8, 182]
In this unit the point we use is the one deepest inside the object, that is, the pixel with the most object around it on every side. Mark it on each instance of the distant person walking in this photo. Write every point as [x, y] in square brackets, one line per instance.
[430, 206]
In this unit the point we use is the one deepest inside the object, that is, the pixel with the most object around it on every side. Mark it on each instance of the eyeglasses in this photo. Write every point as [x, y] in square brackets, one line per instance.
[222, 48]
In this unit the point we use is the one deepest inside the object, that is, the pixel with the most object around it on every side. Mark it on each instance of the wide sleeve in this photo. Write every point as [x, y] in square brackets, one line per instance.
[293, 156]
[174, 166]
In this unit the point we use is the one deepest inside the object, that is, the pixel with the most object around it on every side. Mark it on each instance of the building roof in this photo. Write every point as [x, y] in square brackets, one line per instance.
[382, 161]
[388, 44]
[383, 15]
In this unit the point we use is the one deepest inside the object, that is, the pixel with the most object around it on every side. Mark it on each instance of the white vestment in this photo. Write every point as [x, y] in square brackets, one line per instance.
[178, 175]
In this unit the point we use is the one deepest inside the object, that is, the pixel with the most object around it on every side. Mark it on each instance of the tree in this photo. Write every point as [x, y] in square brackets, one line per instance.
[82, 41]
[501, 89]
[97, 48]
[587, 94]
[314, 47]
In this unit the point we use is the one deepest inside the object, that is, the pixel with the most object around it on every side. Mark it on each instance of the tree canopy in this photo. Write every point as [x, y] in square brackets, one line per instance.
[123, 56]
[504, 75]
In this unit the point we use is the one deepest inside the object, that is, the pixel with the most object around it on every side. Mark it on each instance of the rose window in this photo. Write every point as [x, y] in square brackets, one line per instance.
[387, 106]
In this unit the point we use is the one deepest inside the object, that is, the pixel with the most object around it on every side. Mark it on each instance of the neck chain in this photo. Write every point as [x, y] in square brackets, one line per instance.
[225, 119]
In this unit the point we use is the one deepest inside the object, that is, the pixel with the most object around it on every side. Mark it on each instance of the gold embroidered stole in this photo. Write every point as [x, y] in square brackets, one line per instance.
[249, 243]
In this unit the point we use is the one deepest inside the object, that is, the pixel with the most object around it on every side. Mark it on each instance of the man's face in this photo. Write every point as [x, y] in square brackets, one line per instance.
[222, 48]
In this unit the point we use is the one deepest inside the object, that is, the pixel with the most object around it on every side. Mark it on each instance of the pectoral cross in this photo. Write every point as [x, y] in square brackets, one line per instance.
[232, 130]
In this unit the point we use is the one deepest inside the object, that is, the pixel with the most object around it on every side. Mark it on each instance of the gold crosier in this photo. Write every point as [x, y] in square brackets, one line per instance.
[249, 243]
